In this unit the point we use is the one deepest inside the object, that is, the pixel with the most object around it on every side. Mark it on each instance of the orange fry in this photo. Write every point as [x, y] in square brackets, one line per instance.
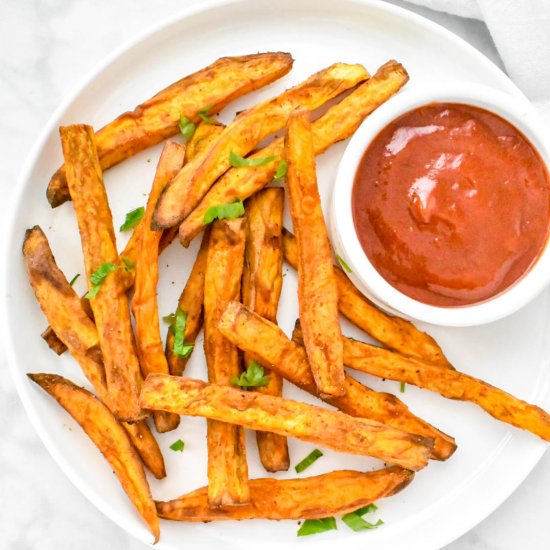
[342, 491]
[262, 283]
[317, 293]
[144, 303]
[109, 437]
[227, 466]
[256, 411]
[110, 305]
[449, 383]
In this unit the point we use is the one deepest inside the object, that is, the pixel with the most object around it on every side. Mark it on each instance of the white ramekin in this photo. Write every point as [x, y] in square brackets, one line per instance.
[518, 112]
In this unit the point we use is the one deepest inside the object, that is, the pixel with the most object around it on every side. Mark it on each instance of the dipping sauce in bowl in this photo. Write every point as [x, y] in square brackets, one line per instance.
[451, 204]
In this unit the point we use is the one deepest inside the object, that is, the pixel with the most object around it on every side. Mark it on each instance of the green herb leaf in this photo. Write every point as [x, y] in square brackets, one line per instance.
[355, 521]
[402, 387]
[314, 526]
[180, 347]
[170, 319]
[237, 161]
[73, 280]
[308, 460]
[281, 171]
[203, 114]
[128, 264]
[366, 509]
[187, 128]
[253, 377]
[344, 265]
[98, 277]
[224, 212]
[132, 218]
[178, 445]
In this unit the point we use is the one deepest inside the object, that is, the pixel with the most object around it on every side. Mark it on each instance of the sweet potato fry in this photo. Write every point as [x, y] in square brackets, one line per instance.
[146, 446]
[393, 332]
[66, 314]
[337, 124]
[62, 308]
[268, 344]
[110, 305]
[227, 466]
[315, 497]
[247, 130]
[157, 119]
[191, 303]
[256, 411]
[203, 138]
[144, 303]
[317, 293]
[262, 283]
[449, 383]
[109, 437]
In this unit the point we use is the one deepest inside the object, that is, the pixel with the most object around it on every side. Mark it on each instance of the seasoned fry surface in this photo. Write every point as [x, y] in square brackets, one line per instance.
[342, 491]
[337, 124]
[449, 383]
[109, 437]
[267, 343]
[227, 466]
[63, 309]
[317, 293]
[144, 303]
[262, 282]
[110, 305]
[245, 133]
[256, 411]
[156, 119]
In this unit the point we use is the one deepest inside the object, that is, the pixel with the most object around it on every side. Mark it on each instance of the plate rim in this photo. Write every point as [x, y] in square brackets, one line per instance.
[103, 506]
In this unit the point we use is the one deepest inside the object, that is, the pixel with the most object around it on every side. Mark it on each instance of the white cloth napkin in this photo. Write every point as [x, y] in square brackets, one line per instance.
[521, 32]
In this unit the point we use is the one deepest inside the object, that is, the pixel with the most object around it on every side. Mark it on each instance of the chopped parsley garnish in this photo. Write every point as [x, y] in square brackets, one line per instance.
[237, 161]
[73, 280]
[178, 323]
[187, 128]
[402, 387]
[228, 211]
[178, 445]
[355, 521]
[203, 114]
[308, 460]
[253, 377]
[132, 218]
[344, 265]
[281, 171]
[314, 526]
[98, 277]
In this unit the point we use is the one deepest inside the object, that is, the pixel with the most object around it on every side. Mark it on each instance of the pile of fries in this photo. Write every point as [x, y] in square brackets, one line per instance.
[233, 292]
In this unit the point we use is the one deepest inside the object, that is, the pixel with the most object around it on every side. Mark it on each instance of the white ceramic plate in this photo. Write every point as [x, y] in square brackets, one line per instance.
[446, 499]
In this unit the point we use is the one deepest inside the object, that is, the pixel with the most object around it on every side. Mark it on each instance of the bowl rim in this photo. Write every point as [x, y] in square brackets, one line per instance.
[517, 111]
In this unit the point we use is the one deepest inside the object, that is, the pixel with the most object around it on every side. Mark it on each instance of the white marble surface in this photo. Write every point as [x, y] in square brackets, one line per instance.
[46, 48]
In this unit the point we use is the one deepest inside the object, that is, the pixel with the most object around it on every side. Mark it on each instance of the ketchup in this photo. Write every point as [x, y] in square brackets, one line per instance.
[451, 204]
